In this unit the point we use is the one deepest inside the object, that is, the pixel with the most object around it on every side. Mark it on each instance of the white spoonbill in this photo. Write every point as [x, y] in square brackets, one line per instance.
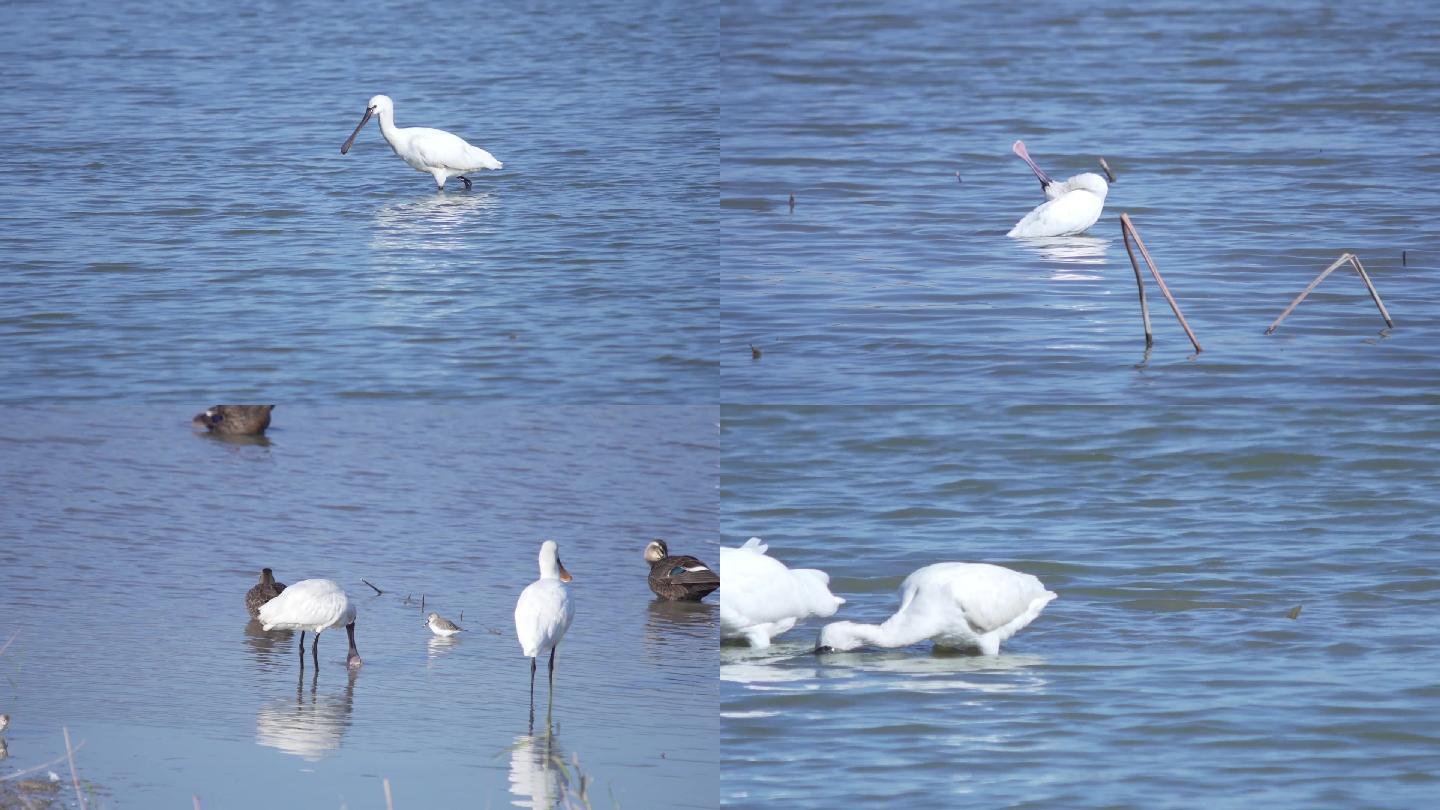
[315, 605]
[1072, 206]
[543, 613]
[760, 598]
[954, 604]
[434, 151]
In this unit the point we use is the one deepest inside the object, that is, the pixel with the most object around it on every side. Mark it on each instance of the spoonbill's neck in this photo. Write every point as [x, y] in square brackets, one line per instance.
[387, 126]
[897, 631]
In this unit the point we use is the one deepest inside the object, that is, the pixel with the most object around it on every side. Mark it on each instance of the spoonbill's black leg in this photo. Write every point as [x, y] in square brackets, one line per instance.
[466, 180]
[552, 669]
[302, 649]
[532, 695]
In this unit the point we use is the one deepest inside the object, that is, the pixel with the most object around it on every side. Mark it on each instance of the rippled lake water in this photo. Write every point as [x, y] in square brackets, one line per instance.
[1167, 674]
[127, 544]
[1252, 144]
[180, 222]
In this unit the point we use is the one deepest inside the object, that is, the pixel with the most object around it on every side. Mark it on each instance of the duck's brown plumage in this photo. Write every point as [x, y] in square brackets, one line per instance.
[235, 420]
[679, 578]
[259, 594]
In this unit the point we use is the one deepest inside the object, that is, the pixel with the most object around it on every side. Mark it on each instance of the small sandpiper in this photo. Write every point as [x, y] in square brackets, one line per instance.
[4, 722]
[442, 627]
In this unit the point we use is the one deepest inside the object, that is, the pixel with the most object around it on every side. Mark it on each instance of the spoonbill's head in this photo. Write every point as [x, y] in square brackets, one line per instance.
[1091, 182]
[377, 104]
[550, 565]
[838, 637]
[656, 551]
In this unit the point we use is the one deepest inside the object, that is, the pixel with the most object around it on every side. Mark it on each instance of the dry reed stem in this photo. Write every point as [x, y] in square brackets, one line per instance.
[1365, 277]
[377, 590]
[1127, 225]
[1140, 284]
[389, 802]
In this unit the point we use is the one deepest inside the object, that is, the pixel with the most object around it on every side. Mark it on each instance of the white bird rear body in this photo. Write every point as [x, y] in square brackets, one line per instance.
[310, 605]
[760, 597]
[542, 615]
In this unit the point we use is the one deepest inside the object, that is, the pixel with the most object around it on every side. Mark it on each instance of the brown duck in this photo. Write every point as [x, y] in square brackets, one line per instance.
[235, 420]
[265, 591]
[681, 578]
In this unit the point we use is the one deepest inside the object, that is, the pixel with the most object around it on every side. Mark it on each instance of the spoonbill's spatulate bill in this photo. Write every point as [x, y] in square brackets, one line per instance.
[1072, 206]
[956, 605]
[434, 151]
[543, 614]
[315, 605]
[762, 598]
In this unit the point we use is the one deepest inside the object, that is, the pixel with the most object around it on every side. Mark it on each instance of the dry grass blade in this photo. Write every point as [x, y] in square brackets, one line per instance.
[378, 592]
[74, 774]
[42, 766]
[6, 645]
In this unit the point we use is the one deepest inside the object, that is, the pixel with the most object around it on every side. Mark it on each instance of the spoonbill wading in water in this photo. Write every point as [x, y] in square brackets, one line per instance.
[543, 614]
[315, 605]
[435, 151]
[1072, 206]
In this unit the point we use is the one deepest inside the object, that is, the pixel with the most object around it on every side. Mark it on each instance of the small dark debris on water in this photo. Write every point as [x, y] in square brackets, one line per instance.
[755, 352]
[1295, 612]
[1403, 259]
[792, 203]
[514, 336]
[957, 178]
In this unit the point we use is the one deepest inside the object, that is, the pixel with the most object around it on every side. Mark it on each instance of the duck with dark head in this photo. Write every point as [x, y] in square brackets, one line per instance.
[262, 592]
[235, 420]
[680, 578]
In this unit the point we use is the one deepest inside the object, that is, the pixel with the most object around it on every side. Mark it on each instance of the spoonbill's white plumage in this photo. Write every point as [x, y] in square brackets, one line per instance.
[439, 153]
[954, 604]
[543, 613]
[1071, 207]
[760, 597]
[315, 605]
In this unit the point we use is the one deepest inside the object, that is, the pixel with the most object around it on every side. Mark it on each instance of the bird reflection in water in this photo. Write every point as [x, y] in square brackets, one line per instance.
[680, 629]
[1069, 251]
[440, 646]
[539, 775]
[268, 647]
[441, 222]
[311, 724]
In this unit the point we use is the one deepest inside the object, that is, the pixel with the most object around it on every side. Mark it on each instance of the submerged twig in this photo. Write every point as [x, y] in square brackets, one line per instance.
[74, 775]
[377, 590]
[1359, 268]
[1127, 230]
